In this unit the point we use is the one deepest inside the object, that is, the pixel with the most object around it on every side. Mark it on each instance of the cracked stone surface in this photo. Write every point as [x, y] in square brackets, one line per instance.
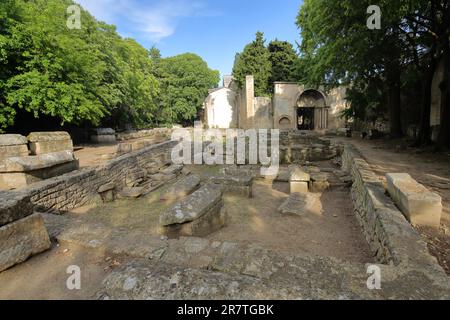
[298, 204]
[182, 188]
[193, 207]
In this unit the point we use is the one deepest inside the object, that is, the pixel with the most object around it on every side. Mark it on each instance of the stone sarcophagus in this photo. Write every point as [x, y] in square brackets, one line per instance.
[51, 155]
[18, 172]
[238, 185]
[103, 136]
[49, 142]
[13, 145]
[22, 233]
[299, 181]
[419, 205]
[198, 215]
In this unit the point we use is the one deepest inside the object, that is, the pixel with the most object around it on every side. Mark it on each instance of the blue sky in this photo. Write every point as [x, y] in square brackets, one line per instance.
[215, 30]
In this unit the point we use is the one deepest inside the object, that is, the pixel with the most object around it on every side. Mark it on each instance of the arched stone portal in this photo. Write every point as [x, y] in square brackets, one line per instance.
[312, 111]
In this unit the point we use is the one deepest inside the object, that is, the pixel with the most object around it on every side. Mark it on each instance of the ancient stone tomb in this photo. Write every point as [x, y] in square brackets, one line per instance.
[40, 156]
[419, 205]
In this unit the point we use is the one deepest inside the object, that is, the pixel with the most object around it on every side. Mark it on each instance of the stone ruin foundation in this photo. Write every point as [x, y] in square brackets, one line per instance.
[181, 233]
[41, 156]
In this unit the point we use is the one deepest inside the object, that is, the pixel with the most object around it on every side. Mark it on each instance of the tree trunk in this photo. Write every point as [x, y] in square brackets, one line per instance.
[443, 141]
[424, 137]
[394, 101]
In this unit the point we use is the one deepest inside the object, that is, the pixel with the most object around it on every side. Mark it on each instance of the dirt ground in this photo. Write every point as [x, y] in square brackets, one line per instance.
[328, 229]
[430, 169]
[94, 155]
[44, 276]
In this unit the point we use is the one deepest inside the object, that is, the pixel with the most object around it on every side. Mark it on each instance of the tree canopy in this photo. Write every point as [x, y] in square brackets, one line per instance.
[284, 60]
[278, 61]
[185, 80]
[91, 74]
[254, 60]
[379, 66]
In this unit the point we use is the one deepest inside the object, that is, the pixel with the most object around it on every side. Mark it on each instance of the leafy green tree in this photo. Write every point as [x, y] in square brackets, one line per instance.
[337, 48]
[81, 75]
[283, 59]
[185, 80]
[254, 60]
[56, 71]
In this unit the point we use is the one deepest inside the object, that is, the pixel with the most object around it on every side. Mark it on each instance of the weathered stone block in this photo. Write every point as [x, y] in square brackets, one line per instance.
[182, 188]
[197, 215]
[106, 187]
[22, 239]
[419, 205]
[193, 207]
[13, 151]
[49, 142]
[298, 204]
[12, 140]
[159, 177]
[299, 175]
[19, 172]
[106, 192]
[104, 136]
[135, 192]
[319, 186]
[13, 145]
[299, 187]
[284, 175]
[238, 185]
[212, 221]
[14, 206]
[133, 179]
[319, 182]
[110, 139]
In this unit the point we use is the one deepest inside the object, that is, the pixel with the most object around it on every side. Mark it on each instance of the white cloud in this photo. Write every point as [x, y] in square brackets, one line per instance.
[155, 19]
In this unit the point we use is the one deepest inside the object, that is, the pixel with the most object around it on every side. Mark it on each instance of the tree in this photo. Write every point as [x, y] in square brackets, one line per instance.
[82, 75]
[338, 48]
[254, 60]
[283, 60]
[185, 80]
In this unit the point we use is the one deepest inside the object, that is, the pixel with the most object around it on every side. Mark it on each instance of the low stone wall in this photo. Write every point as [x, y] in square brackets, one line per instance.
[80, 187]
[390, 236]
[22, 230]
[297, 147]
[164, 133]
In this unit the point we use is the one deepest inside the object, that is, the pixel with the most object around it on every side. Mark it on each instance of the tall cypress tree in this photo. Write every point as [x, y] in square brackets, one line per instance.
[254, 60]
[283, 59]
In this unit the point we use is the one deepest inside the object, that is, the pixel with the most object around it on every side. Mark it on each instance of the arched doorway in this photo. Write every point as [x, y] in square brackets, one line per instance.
[312, 112]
